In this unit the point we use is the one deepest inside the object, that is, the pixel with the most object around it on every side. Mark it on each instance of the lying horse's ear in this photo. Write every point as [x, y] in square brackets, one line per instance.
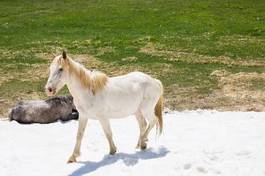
[54, 55]
[64, 55]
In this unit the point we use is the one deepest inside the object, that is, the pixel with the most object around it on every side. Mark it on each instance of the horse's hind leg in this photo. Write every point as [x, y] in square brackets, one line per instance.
[147, 131]
[142, 126]
[107, 130]
[152, 120]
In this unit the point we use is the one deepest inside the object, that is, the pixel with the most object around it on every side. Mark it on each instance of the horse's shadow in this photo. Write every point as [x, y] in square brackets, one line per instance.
[128, 160]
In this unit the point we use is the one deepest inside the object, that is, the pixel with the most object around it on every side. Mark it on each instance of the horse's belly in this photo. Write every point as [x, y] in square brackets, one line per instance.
[111, 111]
[119, 110]
[118, 115]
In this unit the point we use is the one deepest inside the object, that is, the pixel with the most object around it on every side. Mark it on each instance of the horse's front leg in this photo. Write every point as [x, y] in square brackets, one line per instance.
[107, 130]
[82, 122]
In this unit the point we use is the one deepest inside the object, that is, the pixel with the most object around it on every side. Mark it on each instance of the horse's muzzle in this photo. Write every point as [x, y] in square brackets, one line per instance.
[50, 91]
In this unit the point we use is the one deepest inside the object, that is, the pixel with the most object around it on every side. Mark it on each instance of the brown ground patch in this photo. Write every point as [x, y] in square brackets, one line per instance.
[239, 85]
[238, 88]
[235, 93]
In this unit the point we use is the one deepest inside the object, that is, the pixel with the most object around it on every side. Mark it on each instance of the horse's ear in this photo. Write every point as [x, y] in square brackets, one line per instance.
[64, 55]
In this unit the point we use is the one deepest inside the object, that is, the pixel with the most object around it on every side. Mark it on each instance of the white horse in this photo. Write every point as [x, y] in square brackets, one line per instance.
[99, 97]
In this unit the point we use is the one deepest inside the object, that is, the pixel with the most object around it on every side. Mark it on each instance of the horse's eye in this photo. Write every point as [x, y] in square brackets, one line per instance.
[60, 69]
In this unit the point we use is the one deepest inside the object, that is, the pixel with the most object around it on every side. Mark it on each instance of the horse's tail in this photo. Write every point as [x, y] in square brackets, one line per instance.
[159, 111]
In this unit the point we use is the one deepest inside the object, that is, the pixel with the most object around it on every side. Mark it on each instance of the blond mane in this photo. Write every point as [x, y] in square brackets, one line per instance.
[94, 80]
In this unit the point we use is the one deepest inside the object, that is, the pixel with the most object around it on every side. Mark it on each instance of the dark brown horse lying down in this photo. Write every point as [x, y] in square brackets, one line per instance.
[44, 111]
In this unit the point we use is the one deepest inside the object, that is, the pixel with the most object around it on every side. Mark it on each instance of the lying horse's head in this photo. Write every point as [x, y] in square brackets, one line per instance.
[58, 74]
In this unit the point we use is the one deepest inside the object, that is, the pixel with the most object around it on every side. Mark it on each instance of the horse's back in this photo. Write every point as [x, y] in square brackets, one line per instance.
[150, 84]
[135, 78]
[138, 81]
[132, 84]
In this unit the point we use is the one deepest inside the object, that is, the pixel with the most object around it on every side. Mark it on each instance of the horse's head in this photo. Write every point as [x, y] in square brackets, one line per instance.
[58, 74]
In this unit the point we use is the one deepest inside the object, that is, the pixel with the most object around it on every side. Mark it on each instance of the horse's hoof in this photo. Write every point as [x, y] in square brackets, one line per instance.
[138, 145]
[71, 160]
[143, 147]
[112, 152]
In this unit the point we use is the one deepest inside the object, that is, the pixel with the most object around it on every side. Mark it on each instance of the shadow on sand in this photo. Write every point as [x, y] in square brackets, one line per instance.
[128, 159]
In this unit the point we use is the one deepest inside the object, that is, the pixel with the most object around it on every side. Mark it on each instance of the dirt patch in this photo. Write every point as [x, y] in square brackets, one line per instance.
[238, 85]
[189, 98]
[236, 92]
[238, 88]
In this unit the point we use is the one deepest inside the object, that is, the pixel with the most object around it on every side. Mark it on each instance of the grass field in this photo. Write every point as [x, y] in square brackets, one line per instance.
[208, 54]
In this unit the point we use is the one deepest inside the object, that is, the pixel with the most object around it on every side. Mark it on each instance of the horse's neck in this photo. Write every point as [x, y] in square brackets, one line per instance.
[74, 84]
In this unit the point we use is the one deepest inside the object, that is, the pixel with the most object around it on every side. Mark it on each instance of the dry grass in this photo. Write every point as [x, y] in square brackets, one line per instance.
[190, 57]
[235, 93]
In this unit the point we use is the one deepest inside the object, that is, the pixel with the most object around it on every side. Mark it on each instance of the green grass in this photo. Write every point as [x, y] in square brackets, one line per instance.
[207, 28]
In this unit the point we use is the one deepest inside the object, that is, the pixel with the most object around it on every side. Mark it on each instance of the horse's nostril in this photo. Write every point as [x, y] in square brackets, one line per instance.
[49, 89]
